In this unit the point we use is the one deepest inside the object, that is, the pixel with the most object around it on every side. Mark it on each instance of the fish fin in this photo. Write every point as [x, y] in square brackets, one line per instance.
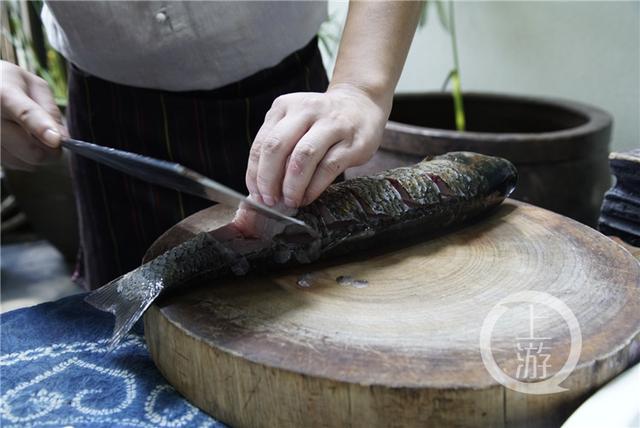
[122, 298]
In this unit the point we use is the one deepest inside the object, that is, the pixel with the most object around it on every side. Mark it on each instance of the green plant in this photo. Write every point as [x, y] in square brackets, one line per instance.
[31, 50]
[447, 20]
[329, 35]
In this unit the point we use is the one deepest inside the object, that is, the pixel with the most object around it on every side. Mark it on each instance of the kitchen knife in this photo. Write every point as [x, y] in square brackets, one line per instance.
[173, 176]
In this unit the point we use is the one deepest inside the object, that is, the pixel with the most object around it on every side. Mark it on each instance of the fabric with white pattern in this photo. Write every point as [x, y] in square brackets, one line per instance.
[55, 371]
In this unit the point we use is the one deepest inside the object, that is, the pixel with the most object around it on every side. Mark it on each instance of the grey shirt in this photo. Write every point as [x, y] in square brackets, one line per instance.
[179, 46]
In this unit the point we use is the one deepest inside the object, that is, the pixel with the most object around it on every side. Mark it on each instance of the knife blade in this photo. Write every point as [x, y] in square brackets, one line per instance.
[172, 175]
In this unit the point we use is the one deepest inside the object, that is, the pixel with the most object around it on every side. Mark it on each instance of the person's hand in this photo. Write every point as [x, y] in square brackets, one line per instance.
[308, 139]
[31, 122]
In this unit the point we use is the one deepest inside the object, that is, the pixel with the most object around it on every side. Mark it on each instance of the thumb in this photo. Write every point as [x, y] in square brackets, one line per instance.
[34, 119]
[40, 92]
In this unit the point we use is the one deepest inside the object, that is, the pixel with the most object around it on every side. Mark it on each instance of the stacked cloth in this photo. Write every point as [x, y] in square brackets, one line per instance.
[55, 371]
[620, 214]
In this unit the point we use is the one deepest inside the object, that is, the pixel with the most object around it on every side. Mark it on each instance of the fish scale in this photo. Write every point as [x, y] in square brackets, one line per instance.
[419, 187]
[377, 196]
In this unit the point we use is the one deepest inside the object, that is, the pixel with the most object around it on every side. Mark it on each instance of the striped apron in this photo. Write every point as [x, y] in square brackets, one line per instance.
[208, 131]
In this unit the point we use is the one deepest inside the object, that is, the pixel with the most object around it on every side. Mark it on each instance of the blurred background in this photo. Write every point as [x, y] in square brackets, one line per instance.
[586, 52]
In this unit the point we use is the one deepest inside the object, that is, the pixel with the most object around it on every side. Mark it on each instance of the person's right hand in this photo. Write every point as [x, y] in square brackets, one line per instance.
[32, 126]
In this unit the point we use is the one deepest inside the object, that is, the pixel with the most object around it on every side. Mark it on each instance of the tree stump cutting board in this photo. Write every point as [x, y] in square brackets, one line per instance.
[396, 340]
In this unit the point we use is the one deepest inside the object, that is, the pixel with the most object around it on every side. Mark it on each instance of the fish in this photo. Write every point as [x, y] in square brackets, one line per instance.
[352, 215]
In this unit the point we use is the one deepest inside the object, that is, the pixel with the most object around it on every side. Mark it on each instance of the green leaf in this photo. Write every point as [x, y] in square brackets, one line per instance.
[457, 101]
[325, 44]
[53, 70]
[330, 33]
[446, 80]
[442, 15]
[424, 14]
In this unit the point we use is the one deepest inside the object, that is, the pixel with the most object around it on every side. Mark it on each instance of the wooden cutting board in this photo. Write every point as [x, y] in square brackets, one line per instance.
[401, 347]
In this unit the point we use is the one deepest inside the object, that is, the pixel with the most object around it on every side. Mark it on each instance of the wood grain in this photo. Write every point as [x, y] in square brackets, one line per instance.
[404, 350]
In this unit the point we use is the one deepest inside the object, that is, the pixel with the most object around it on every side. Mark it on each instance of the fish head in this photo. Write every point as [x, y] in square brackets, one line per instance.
[501, 175]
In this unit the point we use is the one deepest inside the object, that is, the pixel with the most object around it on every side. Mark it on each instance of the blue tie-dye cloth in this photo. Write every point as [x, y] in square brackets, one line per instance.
[55, 371]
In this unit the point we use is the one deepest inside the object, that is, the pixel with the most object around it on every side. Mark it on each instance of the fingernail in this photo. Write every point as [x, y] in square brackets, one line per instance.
[51, 138]
[290, 203]
[268, 200]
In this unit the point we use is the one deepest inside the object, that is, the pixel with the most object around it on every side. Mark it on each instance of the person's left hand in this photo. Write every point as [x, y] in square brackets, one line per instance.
[308, 139]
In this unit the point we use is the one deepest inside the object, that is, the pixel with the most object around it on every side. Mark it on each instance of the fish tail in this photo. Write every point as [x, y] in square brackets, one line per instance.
[123, 297]
[128, 296]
